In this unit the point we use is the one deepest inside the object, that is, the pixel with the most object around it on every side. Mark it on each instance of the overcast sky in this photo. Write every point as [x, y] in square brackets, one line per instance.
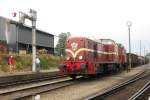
[89, 18]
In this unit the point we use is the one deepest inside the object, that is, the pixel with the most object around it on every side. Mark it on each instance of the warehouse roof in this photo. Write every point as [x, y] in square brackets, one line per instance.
[17, 23]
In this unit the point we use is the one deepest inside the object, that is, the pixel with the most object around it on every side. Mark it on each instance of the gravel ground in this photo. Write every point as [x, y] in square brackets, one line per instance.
[88, 87]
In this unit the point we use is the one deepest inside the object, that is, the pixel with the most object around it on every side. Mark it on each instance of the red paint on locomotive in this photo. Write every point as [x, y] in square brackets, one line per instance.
[86, 56]
[122, 55]
[110, 50]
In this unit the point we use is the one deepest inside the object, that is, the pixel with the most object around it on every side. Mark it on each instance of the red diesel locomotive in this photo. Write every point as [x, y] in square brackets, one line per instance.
[89, 57]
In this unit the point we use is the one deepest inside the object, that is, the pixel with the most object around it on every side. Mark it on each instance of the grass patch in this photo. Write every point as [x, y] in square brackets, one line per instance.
[24, 62]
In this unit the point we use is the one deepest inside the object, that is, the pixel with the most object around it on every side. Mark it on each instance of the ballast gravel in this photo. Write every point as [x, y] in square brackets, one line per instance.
[88, 87]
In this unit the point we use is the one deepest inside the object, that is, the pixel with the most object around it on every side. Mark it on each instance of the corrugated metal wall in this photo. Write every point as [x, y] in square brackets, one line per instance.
[2, 29]
[23, 34]
[42, 39]
[10, 35]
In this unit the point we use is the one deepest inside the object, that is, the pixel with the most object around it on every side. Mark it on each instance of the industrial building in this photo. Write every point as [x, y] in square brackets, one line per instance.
[19, 37]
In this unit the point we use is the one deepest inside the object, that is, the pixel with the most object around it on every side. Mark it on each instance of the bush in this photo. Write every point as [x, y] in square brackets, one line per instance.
[42, 51]
[44, 63]
[49, 61]
[3, 63]
[24, 62]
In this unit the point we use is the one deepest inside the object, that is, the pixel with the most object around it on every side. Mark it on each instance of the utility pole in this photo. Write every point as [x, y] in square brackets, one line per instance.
[129, 24]
[144, 55]
[140, 47]
[32, 17]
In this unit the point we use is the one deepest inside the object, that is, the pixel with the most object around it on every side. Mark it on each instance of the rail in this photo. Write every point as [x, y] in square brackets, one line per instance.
[30, 90]
[141, 91]
[6, 84]
[115, 88]
[28, 78]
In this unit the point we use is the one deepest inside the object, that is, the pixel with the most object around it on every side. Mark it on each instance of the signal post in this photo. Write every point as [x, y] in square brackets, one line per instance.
[32, 17]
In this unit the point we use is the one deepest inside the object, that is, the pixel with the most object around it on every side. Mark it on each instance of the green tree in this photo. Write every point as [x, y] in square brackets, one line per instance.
[60, 47]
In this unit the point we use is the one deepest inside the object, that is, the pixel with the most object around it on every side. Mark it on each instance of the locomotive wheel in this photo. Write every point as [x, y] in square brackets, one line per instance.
[125, 66]
[105, 69]
[121, 67]
[117, 67]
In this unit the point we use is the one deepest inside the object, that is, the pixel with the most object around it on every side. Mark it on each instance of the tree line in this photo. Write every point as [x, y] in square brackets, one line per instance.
[60, 47]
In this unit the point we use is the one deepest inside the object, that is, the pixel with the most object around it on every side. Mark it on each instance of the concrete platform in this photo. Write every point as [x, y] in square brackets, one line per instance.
[146, 66]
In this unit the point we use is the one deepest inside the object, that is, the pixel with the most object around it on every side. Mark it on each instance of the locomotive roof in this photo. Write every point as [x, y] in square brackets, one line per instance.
[76, 38]
[107, 40]
[96, 40]
[99, 41]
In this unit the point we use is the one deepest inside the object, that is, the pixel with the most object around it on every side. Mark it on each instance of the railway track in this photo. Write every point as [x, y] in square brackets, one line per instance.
[124, 90]
[141, 93]
[21, 81]
[11, 91]
[20, 92]
[4, 85]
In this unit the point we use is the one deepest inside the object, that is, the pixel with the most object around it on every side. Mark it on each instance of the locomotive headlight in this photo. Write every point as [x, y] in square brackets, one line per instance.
[80, 57]
[67, 58]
